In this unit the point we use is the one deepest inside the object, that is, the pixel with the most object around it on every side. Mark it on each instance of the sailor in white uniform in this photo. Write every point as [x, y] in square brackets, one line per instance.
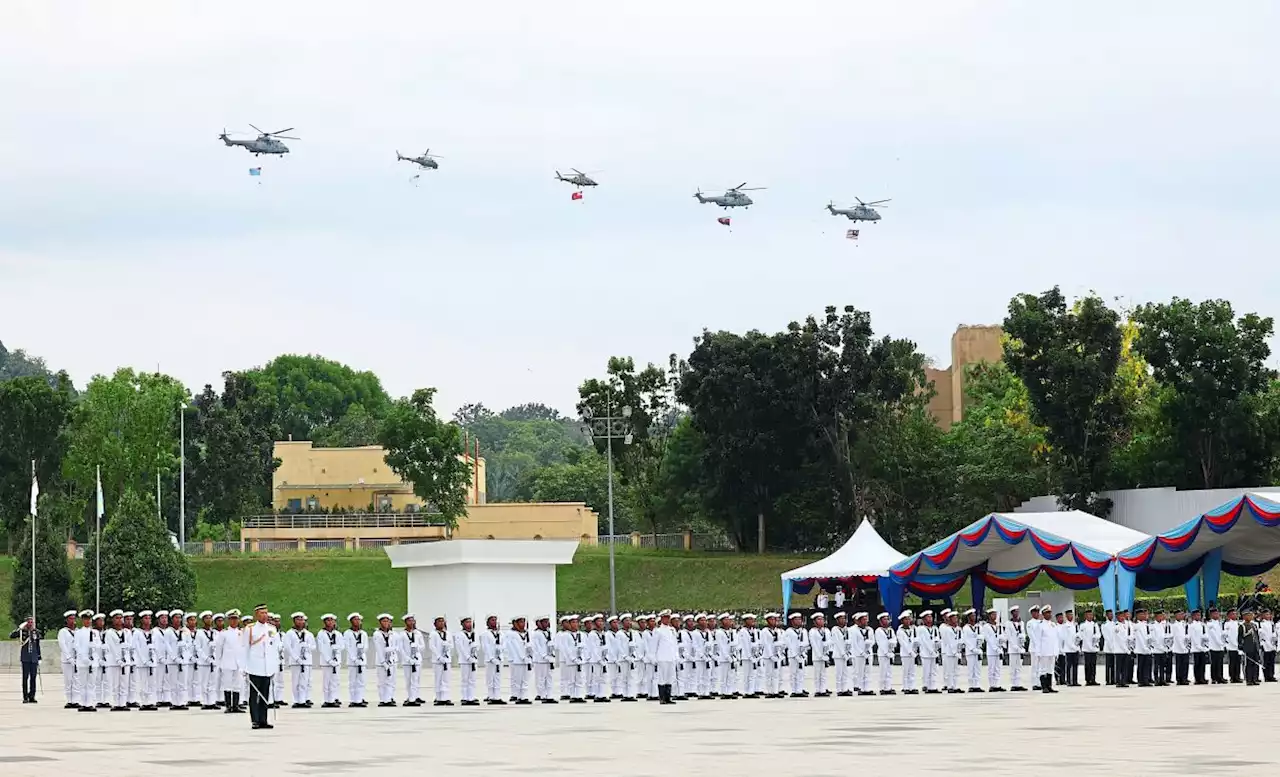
[165, 658]
[331, 646]
[952, 645]
[86, 652]
[772, 654]
[411, 648]
[149, 643]
[797, 643]
[116, 640]
[385, 658]
[820, 654]
[102, 689]
[1199, 645]
[1015, 639]
[467, 650]
[519, 657]
[725, 657]
[205, 681]
[908, 650]
[67, 652]
[1090, 635]
[928, 641]
[355, 647]
[277, 680]
[991, 635]
[542, 652]
[703, 647]
[299, 654]
[861, 640]
[886, 642]
[229, 656]
[491, 651]
[616, 658]
[185, 693]
[665, 656]
[971, 636]
[441, 646]
[842, 654]
[134, 685]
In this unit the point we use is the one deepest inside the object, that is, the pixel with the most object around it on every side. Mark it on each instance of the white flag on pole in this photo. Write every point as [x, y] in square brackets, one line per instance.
[35, 492]
[101, 512]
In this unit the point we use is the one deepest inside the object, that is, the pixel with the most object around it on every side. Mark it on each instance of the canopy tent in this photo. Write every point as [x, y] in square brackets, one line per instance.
[1239, 537]
[861, 561]
[1007, 551]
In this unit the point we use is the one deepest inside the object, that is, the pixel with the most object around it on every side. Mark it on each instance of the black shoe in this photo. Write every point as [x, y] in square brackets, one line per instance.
[162, 704]
[497, 701]
[976, 690]
[577, 701]
[87, 709]
[103, 706]
[386, 704]
[955, 690]
[566, 698]
[149, 708]
[133, 705]
[120, 709]
[866, 693]
[553, 701]
[912, 692]
[1017, 688]
[523, 701]
[307, 703]
[601, 699]
[299, 706]
[889, 693]
[615, 696]
[178, 708]
[70, 706]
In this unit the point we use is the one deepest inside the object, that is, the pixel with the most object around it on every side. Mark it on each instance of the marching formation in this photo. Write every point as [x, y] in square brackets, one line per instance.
[181, 661]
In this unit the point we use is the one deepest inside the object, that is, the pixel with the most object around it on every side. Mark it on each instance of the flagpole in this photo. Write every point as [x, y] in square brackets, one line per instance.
[35, 492]
[97, 555]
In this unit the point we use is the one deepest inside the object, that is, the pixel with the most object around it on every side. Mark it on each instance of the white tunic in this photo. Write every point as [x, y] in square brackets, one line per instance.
[331, 646]
[664, 644]
[299, 647]
[262, 649]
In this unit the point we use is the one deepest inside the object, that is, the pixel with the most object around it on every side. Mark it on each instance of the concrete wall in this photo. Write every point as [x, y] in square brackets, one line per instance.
[50, 657]
[969, 345]
[529, 520]
[1154, 510]
[349, 477]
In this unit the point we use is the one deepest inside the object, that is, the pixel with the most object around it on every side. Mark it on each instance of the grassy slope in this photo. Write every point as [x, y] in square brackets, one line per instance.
[647, 580]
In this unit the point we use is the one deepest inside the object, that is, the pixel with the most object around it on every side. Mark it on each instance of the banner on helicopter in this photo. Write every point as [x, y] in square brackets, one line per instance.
[852, 234]
[255, 171]
[576, 196]
[723, 220]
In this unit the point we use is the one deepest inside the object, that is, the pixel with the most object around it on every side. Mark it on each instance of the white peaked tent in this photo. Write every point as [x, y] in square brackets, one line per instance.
[866, 554]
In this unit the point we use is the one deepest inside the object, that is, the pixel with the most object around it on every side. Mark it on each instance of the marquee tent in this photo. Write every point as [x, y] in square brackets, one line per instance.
[1239, 537]
[859, 562]
[1007, 551]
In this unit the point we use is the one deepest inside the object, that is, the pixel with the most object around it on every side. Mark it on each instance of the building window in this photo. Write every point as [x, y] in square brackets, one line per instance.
[313, 503]
[295, 505]
[384, 503]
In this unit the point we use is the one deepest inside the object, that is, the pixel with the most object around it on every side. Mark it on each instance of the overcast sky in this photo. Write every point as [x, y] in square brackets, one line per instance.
[1127, 148]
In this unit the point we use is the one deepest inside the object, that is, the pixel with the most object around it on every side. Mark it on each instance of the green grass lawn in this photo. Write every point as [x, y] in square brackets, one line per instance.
[364, 581]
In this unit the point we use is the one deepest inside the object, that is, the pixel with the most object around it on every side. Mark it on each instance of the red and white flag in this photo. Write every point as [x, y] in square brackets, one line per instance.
[576, 196]
[852, 234]
[723, 220]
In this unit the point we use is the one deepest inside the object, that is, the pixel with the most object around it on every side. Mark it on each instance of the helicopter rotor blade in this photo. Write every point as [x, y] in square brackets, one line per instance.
[752, 189]
[260, 132]
[877, 202]
[576, 170]
[277, 132]
[286, 137]
[739, 186]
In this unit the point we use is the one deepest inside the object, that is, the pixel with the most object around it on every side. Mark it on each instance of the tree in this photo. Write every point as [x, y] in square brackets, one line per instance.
[53, 576]
[532, 411]
[1067, 359]
[311, 392]
[426, 451]
[582, 478]
[128, 425]
[33, 419]
[1214, 366]
[230, 452]
[357, 427]
[140, 567]
[17, 364]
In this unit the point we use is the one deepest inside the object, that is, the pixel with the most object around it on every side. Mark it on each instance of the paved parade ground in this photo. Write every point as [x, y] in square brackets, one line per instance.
[1208, 730]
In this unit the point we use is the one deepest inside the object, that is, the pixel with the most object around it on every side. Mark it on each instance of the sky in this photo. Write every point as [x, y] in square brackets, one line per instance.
[1127, 149]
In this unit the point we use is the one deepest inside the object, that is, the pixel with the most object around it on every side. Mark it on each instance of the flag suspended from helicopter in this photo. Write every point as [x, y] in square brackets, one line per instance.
[255, 171]
[576, 196]
[725, 220]
[852, 234]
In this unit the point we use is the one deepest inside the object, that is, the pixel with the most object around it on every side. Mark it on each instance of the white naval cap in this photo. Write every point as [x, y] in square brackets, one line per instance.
[565, 618]
[703, 616]
[668, 612]
[192, 616]
[597, 617]
[926, 612]
[841, 614]
[206, 614]
[816, 616]
[1046, 608]
[769, 615]
[905, 614]
[274, 615]
[625, 615]
[611, 619]
[218, 615]
[298, 614]
[1013, 608]
[1034, 608]
[86, 613]
[882, 615]
[327, 616]
[233, 613]
[945, 612]
[795, 615]
[114, 613]
[97, 616]
[144, 613]
[69, 614]
[128, 613]
[407, 616]
[992, 610]
[858, 615]
[970, 611]
[353, 616]
[723, 615]
[176, 612]
[384, 616]
[749, 615]
[689, 617]
[158, 613]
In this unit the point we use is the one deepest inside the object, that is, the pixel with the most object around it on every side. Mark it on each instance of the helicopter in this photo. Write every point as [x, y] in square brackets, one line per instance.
[860, 212]
[426, 161]
[732, 198]
[579, 178]
[265, 143]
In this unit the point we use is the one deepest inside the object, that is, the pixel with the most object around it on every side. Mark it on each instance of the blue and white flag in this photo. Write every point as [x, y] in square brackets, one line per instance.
[35, 491]
[100, 510]
[255, 171]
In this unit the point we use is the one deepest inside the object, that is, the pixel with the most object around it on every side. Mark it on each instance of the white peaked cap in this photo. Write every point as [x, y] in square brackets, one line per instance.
[1048, 607]
[353, 616]
[664, 612]
[1034, 608]
[299, 614]
[233, 611]
[84, 613]
[69, 614]
[1013, 608]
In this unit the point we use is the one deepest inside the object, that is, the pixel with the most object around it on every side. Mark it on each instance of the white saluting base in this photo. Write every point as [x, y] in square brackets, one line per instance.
[478, 578]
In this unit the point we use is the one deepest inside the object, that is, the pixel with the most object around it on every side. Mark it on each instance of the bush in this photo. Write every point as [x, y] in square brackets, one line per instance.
[53, 580]
[140, 567]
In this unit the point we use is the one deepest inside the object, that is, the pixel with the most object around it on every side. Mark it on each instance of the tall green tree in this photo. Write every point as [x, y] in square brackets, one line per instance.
[1067, 358]
[426, 451]
[357, 427]
[230, 452]
[18, 364]
[53, 576]
[128, 425]
[580, 478]
[33, 419]
[140, 567]
[1214, 365]
[312, 392]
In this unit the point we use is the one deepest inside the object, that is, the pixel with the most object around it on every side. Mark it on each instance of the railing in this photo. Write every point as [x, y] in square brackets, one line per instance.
[344, 521]
[711, 542]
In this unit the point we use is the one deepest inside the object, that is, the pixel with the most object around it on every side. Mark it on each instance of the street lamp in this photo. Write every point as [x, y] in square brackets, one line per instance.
[610, 427]
[182, 476]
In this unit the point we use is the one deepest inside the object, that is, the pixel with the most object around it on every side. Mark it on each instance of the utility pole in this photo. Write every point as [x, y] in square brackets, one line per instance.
[609, 427]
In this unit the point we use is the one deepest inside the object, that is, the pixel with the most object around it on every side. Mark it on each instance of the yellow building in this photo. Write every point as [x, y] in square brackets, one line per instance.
[378, 507]
[970, 345]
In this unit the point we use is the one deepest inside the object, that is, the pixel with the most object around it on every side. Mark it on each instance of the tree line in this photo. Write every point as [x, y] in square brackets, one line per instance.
[780, 440]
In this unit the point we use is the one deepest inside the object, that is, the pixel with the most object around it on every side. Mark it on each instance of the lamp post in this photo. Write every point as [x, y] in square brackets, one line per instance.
[610, 427]
[182, 476]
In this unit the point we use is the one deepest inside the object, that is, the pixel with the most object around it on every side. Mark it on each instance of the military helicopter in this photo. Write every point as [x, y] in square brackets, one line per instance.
[578, 178]
[860, 212]
[265, 143]
[427, 161]
[732, 198]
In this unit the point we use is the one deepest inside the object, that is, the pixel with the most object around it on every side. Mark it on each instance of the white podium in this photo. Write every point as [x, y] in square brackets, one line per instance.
[476, 578]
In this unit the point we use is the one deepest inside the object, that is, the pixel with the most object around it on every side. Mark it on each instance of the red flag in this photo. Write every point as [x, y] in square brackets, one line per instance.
[577, 196]
[723, 220]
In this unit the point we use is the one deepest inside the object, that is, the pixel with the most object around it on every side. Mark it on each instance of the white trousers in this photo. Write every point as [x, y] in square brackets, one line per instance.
[595, 680]
[134, 683]
[69, 682]
[858, 674]
[993, 670]
[747, 678]
[206, 681]
[149, 686]
[440, 678]
[412, 682]
[701, 678]
[301, 683]
[277, 687]
[232, 681]
[542, 681]
[843, 670]
[118, 685]
[519, 681]
[635, 680]
[975, 670]
[820, 676]
[797, 675]
[493, 682]
[619, 676]
[180, 685]
[355, 684]
[82, 681]
[468, 672]
[164, 683]
[886, 674]
[569, 674]
[930, 667]
[103, 685]
[1015, 670]
[386, 684]
[772, 676]
[726, 678]
[950, 665]
[652, 682]
[908, 673]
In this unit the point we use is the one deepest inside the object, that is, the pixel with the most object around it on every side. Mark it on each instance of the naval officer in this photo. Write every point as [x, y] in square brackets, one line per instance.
[262, 662]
